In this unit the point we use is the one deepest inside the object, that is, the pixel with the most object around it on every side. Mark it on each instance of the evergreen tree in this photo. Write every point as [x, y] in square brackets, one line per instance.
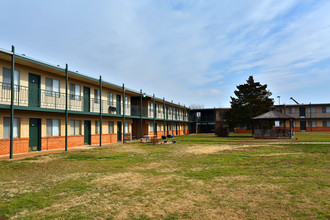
[251, 99]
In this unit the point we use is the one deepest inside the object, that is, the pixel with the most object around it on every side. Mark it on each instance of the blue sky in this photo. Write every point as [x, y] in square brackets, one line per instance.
[192, 52]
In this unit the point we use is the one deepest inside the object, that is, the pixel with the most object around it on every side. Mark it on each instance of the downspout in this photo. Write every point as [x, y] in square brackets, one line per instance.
[100, 111]
[66, 107]
[172, 118]
[141, 131]
[164, 114]
[178, 113]
[12, 103]
[154, 114]
[310, 115]
[184, 119]
[124, 113]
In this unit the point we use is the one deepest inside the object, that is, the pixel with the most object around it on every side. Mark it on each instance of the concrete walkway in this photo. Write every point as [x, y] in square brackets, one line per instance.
[36, 153]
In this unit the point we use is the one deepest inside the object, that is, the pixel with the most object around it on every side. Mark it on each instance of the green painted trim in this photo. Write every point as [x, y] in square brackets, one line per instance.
[27, 108]
[4, 106]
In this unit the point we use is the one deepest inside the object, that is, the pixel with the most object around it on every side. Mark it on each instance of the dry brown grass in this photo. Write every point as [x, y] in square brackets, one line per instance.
[217, 181]
[213, 149]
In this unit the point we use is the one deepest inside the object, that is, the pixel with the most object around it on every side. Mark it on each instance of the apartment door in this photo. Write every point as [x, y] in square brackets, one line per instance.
[302, 125]
[176, 129]
[155, 129]
[34, 90]
[118, 104]
[166, 112]
[87, 132]
[119, 131]
[35, 134]
[87, 103]
[302, 112]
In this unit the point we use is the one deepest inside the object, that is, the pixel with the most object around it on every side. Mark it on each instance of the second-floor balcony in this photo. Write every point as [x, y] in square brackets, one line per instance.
[40, 98]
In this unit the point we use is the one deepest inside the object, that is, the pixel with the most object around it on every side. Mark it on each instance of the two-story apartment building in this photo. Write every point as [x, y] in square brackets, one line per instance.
[45, 106]
[308, 117]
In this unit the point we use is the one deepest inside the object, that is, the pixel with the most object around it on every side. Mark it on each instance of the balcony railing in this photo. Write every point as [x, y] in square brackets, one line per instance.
[40, 98]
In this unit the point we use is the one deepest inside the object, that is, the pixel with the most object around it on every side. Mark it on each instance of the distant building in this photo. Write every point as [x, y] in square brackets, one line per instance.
[308, 117]
[204, 120]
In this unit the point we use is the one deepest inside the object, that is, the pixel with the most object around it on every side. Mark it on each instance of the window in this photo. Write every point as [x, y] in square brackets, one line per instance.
[126, 127]
[52, 87]
[294, 124]
[311, 123]
[326, 123]
[75, 127]
[151, 127]
[280, 110]
[159, 127]
[53, 127]
[110, 99]
[97, 127]
[96, 96]
[111, 127]
[292, 110]
[277, 123]
[158, 108]
[311, 110]
[126, 101]
[6, 128]
[7, 79]
[325, 109]
[151, 106]
[74, 92]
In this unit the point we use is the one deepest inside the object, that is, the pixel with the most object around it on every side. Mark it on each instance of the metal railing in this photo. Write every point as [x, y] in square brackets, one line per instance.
[40, 98]
[273, 133]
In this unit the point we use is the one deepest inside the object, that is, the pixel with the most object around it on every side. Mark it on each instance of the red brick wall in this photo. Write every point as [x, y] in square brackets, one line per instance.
[106, 139]
[20, 145]
[48, 143]
[316, 129]
[160, 133]
[75, 140]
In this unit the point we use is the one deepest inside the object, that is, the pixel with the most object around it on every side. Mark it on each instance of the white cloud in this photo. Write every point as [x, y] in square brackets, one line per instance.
[191, 52]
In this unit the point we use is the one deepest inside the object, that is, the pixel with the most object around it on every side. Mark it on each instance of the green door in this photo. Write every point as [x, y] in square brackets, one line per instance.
[302, 112]
[166, 112]
[34, 134]
[302, 125]
[87, 132]
[119, 131]
[87, 93]
[34, 90]
[118, 104]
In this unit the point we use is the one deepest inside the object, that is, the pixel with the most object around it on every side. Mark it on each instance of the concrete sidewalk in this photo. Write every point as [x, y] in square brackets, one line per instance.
[37, 153]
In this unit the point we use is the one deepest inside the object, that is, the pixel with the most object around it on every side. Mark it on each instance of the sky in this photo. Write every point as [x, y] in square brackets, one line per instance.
[191, 52]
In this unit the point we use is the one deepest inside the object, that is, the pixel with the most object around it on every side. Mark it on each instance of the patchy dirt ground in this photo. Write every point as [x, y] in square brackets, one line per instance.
[213, 149]
[174, 181]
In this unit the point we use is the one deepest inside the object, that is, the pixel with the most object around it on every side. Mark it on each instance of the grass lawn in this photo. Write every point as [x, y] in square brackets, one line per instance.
[200, 177]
